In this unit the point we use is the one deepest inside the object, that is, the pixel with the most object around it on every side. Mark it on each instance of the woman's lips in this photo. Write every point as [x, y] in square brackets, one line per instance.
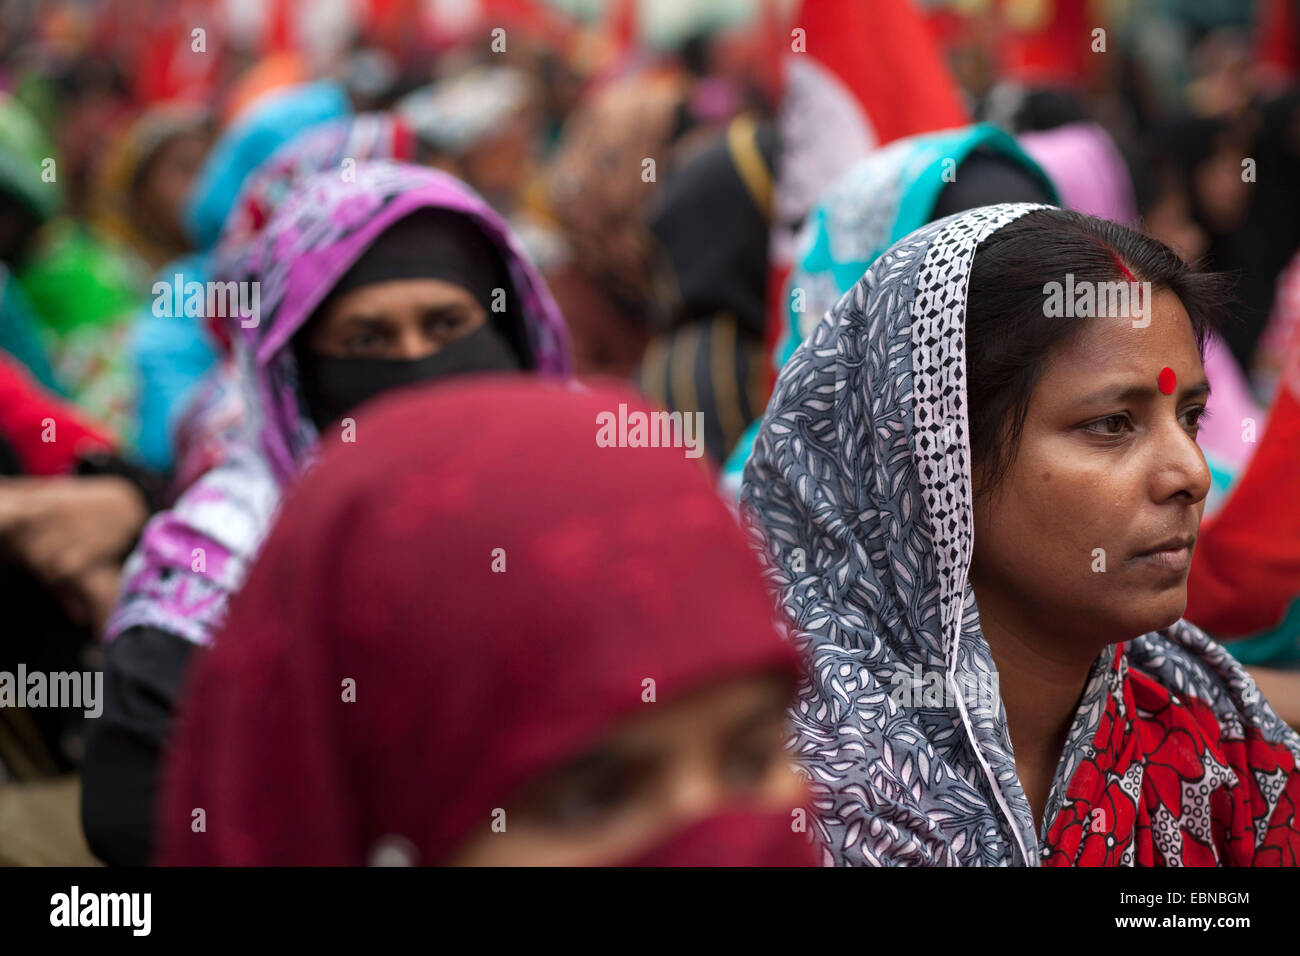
[1172, 559]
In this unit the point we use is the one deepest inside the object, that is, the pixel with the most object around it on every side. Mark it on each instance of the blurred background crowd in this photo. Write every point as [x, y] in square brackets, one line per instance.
[657, 160]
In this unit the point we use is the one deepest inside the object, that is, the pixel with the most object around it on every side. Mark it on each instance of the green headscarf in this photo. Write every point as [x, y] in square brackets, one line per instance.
[24, 150]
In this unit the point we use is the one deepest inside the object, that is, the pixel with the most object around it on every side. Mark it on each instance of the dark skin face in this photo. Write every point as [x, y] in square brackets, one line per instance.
[1106, 461]
[160, 197]
[498, 166]
[1170, 220]
[680, 761]
[399, 319]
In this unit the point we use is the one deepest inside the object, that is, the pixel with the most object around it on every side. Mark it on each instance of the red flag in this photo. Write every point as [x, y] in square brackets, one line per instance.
[884, 56]
[857, 75]
[621, 17]
[1276, 29]
[280, 32]
[1048, 44]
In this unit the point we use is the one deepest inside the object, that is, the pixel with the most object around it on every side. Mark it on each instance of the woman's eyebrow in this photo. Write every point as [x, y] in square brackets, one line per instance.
[593, 761]
[364, 320]
[1141, 393]
[446, 308]
[760, 715]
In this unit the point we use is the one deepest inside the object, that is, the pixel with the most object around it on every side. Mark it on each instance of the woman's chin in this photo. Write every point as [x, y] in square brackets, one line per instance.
[1160, 612]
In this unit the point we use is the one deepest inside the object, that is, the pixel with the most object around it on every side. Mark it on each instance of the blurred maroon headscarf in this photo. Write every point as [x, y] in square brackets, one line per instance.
[621, 564]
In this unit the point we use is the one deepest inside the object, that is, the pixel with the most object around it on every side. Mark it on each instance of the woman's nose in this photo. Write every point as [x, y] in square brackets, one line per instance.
[414, 344]
[695, 791]
[1183, 468]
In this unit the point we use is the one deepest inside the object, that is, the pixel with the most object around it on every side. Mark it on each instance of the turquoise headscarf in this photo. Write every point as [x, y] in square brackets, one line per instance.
[888, 195]
[248, 142]
[173, 353]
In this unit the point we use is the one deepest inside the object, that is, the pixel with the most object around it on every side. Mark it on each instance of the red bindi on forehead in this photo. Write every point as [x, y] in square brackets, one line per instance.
[1167, 380]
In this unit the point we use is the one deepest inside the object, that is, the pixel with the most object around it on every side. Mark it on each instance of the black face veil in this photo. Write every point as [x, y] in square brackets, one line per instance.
[428, 244]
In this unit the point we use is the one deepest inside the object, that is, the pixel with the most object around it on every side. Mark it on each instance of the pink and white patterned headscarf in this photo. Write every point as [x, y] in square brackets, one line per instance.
[193, 557]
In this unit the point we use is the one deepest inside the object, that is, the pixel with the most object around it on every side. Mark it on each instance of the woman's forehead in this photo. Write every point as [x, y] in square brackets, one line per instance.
[1113, 345]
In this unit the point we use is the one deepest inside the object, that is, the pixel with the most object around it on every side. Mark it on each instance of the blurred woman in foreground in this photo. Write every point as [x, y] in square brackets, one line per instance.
[500, 645]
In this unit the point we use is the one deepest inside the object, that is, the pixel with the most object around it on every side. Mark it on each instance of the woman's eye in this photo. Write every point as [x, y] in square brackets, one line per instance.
[364, 341]
[746, 767]
[585, 802]
[1110, 425]
[1195, 417]
[447, 325]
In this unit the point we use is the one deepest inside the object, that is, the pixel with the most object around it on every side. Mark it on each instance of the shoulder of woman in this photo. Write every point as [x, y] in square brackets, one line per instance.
[1189, 663]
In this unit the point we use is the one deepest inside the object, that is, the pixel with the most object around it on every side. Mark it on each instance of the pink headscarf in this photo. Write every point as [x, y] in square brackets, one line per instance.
[1088, 170]
[192, 557]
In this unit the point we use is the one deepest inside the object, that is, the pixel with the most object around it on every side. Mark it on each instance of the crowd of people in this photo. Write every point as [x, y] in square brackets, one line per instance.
[309, 320]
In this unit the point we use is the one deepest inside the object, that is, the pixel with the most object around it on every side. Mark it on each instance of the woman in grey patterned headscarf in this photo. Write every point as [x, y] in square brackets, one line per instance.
[954, 430]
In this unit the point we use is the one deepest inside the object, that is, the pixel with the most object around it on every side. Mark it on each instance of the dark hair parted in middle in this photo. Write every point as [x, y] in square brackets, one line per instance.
[1009, 337]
